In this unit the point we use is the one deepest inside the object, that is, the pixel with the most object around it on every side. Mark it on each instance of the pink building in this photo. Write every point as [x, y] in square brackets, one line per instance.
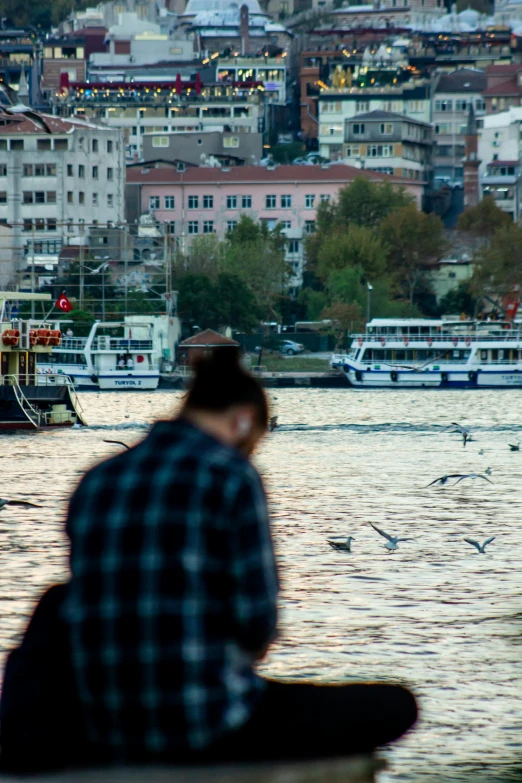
[201, 200]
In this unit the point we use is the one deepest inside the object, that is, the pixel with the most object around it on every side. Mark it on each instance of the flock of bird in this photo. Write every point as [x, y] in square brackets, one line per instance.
[345, 545]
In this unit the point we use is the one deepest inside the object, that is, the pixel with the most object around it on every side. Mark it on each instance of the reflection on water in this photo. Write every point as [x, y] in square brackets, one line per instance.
[435, 614]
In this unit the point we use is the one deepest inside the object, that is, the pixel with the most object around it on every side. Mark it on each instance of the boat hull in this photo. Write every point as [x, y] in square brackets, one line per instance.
[456, 379]
[113, 381]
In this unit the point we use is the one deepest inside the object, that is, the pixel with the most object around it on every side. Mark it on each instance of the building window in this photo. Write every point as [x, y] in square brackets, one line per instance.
[95, 199]
[480, 104]
[325, 198]
[286, 224]
[81, 197]
[232, 202]
[160, 141]
[309, 201]
[231, 224]
[379, 151]
[70, 225]
[154, 202]
[352, 151]
[109, 146]
[171, 226]
[70, 197]
[28, 224]
[231, 142]
[208, 202]
[193, 203]
[61, 145]
[110, 200]
[386, 128]
[51, 224]
[50, 197]
[3, 170]
[16, 144]
[50, 170]
[293, 247]
[43, 144]
[309, 226]
[95, 145]
[39, 197]
[415, 107]
[270, 202]
[208, 226]
[27, 170]
[286, 202]
[246, 202]
[110, 172]
[81, 171]
[193, 225]
[461, 104]
[70, 172]
[361, 106]
[169, 202]
[27, 197]
[444, 105]
[95, 172]
[3, 197]
[358, 128]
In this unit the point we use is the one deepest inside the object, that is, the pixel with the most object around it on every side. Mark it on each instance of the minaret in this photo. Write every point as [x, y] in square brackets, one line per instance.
[471, 162]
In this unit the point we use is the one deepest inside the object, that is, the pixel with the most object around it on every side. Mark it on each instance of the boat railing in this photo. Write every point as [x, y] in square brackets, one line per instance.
[444, 337]
[72, 343]
[184, 370]
[32, 413]
[59, 379]
[103, 343]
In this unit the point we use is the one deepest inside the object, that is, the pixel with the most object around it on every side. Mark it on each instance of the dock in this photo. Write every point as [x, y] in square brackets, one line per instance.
[357, 769]
[278, 380]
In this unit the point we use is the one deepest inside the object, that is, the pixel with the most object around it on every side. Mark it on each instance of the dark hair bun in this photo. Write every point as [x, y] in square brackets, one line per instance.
[221, 382]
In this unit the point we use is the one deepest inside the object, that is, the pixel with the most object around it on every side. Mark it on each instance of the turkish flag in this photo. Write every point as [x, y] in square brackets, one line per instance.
[63, 303]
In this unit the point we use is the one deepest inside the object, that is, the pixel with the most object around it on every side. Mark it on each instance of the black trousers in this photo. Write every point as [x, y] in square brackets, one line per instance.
[303, 721]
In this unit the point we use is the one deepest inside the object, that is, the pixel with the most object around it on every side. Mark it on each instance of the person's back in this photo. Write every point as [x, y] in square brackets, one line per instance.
[172, 593]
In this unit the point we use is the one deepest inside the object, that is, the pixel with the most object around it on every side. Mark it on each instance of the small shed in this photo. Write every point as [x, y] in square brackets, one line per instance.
[190, 350]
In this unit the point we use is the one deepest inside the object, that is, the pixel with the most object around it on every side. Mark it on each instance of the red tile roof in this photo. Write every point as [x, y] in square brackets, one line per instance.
[336, 172]
[509, 87]
[509, 69]
[28, 123]
[207, 339]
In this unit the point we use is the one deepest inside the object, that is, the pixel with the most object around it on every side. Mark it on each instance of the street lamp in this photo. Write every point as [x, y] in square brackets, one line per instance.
[369, 286]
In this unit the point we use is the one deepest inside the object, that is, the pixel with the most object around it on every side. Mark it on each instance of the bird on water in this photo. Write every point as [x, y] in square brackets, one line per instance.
[117, 442]
[514, 447]
[273, 423]
[24, 503]
[341, 546]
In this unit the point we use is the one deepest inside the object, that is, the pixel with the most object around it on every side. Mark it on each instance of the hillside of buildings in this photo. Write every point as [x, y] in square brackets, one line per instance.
[273, 162]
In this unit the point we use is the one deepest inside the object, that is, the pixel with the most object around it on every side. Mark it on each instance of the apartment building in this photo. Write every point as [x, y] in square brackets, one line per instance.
[57, 177]
[200, 201]
[271, 72]
[389, 143]
[337, 105]
[454, 93]
[504, 87]
[500, 154]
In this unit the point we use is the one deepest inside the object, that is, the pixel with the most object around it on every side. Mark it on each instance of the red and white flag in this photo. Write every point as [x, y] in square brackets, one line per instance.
[62, 303]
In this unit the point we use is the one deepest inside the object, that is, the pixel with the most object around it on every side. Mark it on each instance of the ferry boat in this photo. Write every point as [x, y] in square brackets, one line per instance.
[29, 401]
[114, 356]
[429, 353]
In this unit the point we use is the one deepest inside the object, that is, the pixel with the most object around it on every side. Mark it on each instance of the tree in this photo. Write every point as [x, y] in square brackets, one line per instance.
[356, 247]
[213, 305]
[314, 302]
[484, 219]
[414, 240]
[458, 301]
[498, 270]
[204, 256]
[285, 153]
[256, 255]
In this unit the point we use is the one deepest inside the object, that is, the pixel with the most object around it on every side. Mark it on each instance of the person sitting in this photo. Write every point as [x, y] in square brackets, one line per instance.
[171, 603]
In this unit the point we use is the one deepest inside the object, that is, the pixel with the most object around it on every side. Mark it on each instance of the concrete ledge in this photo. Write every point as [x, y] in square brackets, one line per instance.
[358, 769]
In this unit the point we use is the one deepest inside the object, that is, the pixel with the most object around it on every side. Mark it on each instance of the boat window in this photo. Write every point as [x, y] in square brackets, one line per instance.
[484, 355]
[357, 353]
[425, 330]
[400, 356]
[494, 355]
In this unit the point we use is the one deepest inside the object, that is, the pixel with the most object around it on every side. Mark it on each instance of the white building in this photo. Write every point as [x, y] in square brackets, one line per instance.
[500, 153]
[270, 71]
[57, 177]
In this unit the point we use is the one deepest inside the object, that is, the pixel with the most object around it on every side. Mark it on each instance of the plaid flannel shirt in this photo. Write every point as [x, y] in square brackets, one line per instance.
[173, 591]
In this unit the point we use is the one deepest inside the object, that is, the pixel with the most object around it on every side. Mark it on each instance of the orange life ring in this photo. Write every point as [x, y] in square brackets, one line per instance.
[11, 337]
[43, 336]
[55, 337]
[383, 342]
[468, 341]
[429, 341]
[33, 337]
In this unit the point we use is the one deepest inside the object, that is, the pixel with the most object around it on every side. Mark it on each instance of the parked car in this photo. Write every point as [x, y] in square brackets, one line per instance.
[289, 348]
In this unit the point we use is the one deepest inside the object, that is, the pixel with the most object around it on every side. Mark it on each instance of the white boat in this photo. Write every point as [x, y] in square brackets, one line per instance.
[109, 358]
[429, 353]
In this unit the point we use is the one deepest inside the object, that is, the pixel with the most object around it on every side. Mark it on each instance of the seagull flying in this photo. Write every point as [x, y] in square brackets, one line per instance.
[442, 480]
[342, 546]
[24, 503]
[513, 447]
[392, 541]
[481, 547]
[117, 442]
[273, 423]
[466, 434]
[473, 476]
